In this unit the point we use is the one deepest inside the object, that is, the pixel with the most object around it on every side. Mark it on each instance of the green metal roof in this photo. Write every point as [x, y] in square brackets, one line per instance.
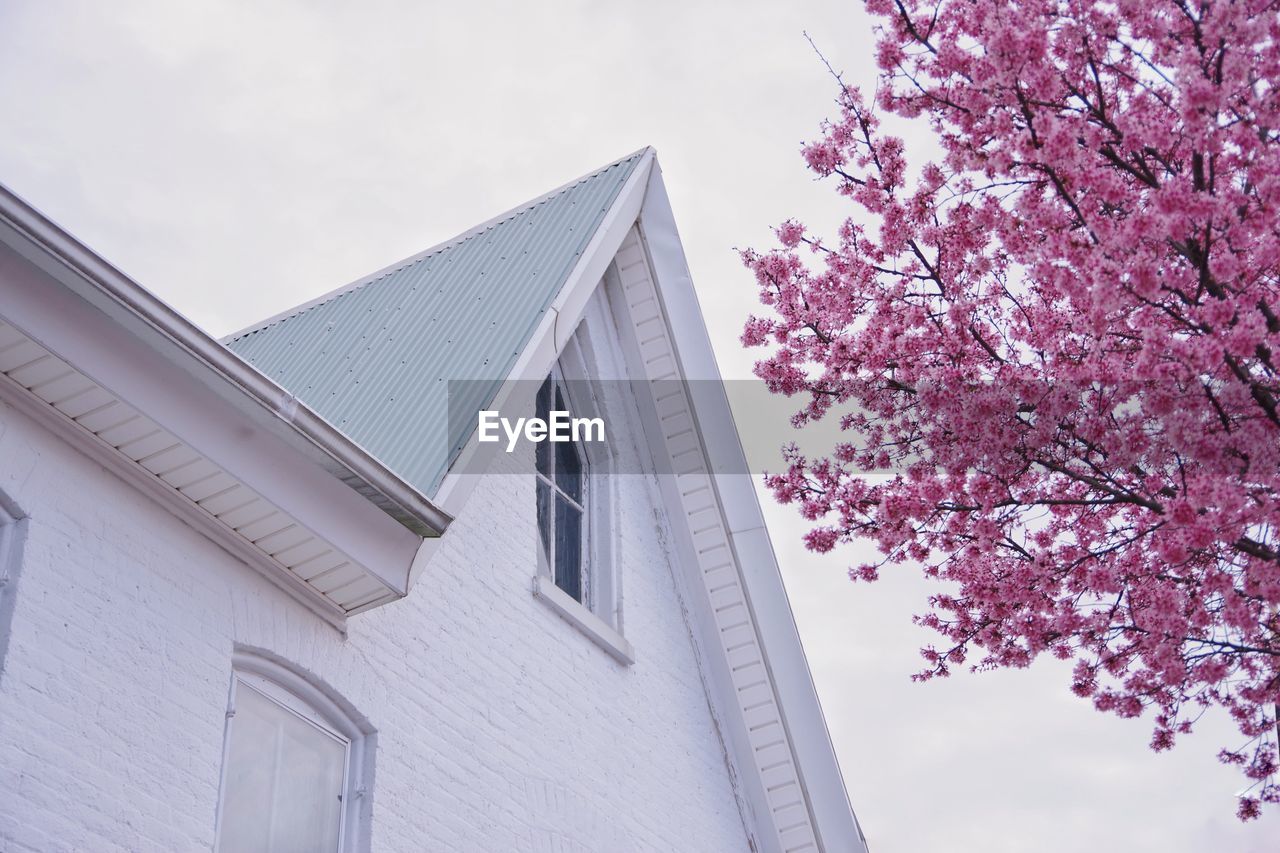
[376, 359]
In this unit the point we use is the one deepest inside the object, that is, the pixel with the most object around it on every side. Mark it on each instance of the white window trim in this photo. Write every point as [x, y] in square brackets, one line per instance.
[602, 580]
[577, 615]
[589, 562]
[289, 689]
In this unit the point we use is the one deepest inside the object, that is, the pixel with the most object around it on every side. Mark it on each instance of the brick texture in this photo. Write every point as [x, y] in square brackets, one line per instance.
[500, 727]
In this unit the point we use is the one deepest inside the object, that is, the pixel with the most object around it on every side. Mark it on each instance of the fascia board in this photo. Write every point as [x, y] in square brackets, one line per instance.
[819, 768]
[824, 783]
[557, 325]
[749, 788]
[110, 355]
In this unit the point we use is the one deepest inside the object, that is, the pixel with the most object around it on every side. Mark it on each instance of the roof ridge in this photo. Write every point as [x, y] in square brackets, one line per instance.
[456, 240]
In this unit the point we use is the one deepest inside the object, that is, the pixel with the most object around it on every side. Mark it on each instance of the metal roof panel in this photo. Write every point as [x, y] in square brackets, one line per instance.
[375, 359]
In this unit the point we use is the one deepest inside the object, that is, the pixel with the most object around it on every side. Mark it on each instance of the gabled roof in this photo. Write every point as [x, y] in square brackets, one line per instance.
[375, 358]
[498, 304]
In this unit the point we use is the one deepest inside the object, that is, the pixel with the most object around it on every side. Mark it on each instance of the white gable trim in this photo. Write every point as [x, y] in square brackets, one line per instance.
[800, 725]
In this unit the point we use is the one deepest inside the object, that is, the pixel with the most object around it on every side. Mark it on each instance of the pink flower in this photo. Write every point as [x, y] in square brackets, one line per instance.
[1061, 343]
[790, 233]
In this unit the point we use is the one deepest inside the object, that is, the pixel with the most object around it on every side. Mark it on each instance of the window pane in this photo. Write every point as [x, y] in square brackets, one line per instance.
[542, 449]
[568, 569]
[568, 469]
[283, 786]
[544, 515]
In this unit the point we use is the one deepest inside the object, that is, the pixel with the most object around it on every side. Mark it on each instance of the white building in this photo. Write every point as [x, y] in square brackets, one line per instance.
[258, 596]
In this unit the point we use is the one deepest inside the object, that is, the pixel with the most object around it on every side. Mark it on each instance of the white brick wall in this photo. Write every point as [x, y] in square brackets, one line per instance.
[500, 726]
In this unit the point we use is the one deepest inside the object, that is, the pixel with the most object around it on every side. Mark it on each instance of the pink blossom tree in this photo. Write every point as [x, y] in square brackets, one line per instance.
[1058, 346]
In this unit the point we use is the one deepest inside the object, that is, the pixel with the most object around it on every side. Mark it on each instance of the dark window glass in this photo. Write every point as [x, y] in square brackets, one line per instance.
[544, 519]
[569, 548]
[542, 450]
[568, 470]
[561, 475]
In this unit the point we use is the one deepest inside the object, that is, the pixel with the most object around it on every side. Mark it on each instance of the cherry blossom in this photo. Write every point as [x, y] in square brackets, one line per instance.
[1051, 351]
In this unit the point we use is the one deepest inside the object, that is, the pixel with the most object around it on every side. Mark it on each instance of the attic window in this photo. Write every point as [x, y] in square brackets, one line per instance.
[562, 500]
[577, 576]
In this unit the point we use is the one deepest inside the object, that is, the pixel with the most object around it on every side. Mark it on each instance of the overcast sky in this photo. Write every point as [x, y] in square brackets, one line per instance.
[239, 158]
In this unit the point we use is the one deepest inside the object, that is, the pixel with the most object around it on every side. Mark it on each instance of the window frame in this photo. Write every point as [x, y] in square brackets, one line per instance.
[588, 562]
[599, 616]
[281, 684]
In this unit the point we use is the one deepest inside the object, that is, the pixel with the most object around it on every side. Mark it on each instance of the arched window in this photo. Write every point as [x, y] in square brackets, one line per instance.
[295, 765]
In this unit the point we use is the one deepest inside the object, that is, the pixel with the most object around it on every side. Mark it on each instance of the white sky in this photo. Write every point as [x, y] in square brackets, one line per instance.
[239, 158]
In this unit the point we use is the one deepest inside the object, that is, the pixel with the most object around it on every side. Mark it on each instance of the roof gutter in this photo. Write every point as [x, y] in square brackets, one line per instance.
[347, 460]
